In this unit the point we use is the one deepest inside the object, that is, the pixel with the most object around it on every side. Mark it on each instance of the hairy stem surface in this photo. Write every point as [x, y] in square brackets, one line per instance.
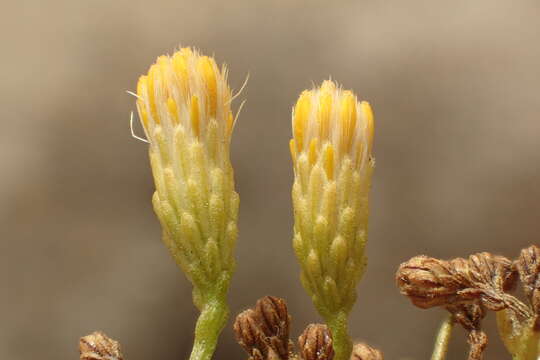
[212, 320]
[338, 325]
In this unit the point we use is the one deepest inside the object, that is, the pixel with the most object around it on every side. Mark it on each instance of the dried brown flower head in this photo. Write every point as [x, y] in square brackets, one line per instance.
[427, 281]
[362, 351]
[466, 287]
[528, 266]
[98, 346]
[316, 343]
[430, 282]
[249, 335]
[264, 331]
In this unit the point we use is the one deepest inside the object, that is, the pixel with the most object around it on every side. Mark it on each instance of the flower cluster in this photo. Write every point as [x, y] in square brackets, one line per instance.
[331, 152]
[184, 106]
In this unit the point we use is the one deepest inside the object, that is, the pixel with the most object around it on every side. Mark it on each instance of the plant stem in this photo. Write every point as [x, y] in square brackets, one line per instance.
[340, 336]
[442, 340]
[212, 320]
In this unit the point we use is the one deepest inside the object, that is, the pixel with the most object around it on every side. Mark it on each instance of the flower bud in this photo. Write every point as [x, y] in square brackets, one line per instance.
[184, 107]
[331, 152]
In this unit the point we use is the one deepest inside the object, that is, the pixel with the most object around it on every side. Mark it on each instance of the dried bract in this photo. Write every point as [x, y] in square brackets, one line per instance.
[316, 343]
[98, 346]
[528, 266]
[495, 270]
[486, 277]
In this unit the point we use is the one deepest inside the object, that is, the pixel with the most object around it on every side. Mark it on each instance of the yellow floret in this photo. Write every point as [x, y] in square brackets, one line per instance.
[206, 66]
[301, 113]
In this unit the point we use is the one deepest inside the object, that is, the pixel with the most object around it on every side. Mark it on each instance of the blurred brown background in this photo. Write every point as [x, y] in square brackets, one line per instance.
[455, 90]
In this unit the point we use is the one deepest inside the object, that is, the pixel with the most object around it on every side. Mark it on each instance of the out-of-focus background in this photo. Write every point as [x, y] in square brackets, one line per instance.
[455, 86]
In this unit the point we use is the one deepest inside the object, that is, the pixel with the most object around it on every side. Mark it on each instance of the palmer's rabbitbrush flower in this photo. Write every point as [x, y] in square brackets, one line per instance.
[331, 152]
[184, 106]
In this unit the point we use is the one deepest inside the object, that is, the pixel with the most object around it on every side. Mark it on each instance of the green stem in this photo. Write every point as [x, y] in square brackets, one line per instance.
[340, 336]
[212, 320]
[442, 340]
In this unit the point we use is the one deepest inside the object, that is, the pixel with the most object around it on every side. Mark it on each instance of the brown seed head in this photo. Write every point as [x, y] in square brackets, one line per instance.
[98, 346]
[528, 266]
[432, 282]
[264, 331]
[275, 323]
[363, 351]
[316, 343]
[427, 281]
[248, 333]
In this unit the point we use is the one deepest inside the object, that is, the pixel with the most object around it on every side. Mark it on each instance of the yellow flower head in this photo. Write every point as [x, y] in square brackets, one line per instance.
[184, 106]
[187, 90]
[329, 124]
[331, 152]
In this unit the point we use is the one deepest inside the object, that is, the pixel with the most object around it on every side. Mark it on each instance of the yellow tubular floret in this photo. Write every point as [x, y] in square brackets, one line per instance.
[152, 86]
[325, 112]
[301, 113]
[368, 114]
[173, 111]
[313, 151]
[292, 148]
[348, 120]
[206, 66]
[180, 66]
[195, 122]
